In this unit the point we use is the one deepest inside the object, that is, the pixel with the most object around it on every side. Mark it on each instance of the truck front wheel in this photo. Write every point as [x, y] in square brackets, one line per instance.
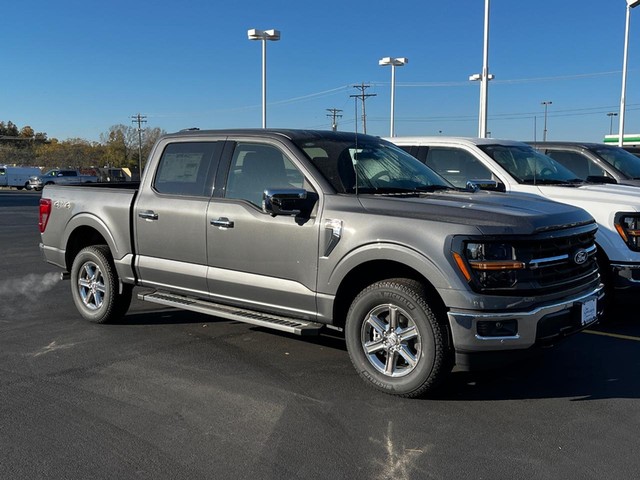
[395, 340]
[94, 286]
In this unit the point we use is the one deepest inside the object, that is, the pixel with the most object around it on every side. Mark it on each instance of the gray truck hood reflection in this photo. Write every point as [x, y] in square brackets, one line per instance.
[492, 213]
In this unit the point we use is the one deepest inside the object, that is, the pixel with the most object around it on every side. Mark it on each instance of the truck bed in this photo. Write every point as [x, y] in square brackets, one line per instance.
[104, 207]
[109, 185]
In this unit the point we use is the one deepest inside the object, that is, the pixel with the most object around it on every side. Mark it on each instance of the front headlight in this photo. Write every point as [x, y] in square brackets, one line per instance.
[628, 226]
[491, 265]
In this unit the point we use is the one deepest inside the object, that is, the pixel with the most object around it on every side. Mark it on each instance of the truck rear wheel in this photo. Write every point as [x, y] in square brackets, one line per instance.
[94, 286]
[395, 340]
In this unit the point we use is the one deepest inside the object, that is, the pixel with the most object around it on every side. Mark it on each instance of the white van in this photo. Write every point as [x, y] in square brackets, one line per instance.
[17, 177]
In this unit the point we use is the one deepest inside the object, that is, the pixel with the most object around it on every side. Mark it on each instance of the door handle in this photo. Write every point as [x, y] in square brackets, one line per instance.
[222, 222]
[148, 215]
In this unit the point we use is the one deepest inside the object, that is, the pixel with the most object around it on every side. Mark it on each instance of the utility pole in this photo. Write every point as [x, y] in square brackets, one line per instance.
[611, 115]
[139, 119]
[363, 96]
[334, 114]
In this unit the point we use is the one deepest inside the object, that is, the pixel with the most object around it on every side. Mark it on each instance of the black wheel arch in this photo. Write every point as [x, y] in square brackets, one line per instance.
[371, 272]
[80, 238]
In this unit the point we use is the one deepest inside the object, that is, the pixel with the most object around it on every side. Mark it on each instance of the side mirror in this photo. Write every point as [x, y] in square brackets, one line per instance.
[284, 201]
[482, 185]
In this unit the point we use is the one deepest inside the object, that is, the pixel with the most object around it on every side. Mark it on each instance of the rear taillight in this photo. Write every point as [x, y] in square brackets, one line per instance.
[45, 212]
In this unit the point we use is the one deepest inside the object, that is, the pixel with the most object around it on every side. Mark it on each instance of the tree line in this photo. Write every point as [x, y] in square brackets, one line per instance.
[118, 147]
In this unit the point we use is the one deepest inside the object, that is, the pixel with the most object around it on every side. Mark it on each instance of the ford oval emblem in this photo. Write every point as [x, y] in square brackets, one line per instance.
[580, 257]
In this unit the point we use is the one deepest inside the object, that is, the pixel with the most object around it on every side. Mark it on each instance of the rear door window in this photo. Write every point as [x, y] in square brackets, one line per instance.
[186, 168]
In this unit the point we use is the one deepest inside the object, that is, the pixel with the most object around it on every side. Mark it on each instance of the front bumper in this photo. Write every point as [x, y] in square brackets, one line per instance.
[625, 275]
[541, 325]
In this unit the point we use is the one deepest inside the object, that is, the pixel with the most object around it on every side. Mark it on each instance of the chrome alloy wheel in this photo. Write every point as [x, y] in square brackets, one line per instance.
[91, 286]
[391, 340]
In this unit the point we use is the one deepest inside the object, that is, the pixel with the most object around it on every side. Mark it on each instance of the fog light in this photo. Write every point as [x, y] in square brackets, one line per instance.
[501, 328]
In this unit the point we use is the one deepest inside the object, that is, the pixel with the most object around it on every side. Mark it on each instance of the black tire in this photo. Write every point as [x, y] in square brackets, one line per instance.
[94, 286]
[395, 340]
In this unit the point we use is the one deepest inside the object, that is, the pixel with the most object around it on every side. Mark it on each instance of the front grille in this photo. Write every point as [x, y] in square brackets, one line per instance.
[551, 264]
[560, 269]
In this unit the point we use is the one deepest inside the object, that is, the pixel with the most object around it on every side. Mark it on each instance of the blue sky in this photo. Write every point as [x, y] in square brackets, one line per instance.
[74, 68]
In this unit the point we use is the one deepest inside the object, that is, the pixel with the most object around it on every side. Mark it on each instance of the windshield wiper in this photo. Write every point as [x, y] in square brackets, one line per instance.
[389, 191]
[549, 181]
[434, 188]
[406, 191]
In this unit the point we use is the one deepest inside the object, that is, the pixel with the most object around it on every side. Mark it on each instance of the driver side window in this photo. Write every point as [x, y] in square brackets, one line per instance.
[257, 167]
[456, 165]
[577, 163]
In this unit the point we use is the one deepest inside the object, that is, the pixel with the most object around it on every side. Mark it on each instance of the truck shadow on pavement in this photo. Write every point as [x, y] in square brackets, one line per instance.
[170, 316]
[599, 363]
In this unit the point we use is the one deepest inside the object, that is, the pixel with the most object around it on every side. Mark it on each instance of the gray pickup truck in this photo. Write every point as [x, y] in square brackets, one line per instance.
[304, 230]
[59, 177]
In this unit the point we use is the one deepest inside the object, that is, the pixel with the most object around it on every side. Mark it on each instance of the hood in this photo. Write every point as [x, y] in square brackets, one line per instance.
[610, 197]
[491, 212]
[635, 182]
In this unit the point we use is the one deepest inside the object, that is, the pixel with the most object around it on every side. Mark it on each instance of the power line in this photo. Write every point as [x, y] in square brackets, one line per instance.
[503, 81]
[575, 112]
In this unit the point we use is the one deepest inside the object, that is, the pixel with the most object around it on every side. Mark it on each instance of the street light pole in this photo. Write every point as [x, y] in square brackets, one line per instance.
[484, 77]
[394, 62]
[544, 132]
[482, 116]
[484, 81]
[264, 35]
[630, 4]
[611, 115]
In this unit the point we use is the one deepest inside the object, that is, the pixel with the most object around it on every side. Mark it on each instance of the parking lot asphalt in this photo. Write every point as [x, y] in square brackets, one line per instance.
[173, 394]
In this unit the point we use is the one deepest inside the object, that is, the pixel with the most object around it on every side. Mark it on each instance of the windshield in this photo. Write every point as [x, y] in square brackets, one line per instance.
[527, 165]
[368, 165]
[621, 160]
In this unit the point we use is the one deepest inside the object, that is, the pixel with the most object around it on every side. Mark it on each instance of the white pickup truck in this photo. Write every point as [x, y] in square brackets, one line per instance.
[510, 166]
